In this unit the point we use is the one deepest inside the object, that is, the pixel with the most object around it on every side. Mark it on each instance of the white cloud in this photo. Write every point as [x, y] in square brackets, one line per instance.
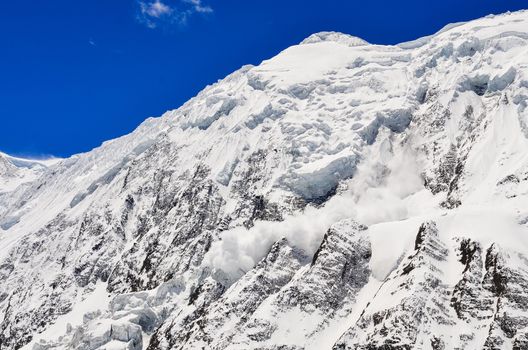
[155, 9]
[199, 7]
[154, 13]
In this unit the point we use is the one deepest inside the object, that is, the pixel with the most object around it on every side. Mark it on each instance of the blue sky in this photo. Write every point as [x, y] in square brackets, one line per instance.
[76, 73]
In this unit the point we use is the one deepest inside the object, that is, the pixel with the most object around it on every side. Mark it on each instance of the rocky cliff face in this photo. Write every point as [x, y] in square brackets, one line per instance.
[340, 195]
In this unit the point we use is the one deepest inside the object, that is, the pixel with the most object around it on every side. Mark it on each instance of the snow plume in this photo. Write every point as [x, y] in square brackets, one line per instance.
[379, 192]
[240, 249]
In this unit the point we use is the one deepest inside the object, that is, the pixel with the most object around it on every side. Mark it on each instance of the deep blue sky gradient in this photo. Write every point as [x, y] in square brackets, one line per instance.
[61, 94]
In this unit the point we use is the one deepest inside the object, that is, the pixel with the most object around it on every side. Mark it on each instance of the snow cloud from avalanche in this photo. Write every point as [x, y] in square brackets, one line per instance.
[379, 192]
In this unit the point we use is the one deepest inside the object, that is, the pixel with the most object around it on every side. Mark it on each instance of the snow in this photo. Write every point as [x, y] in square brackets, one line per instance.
[340, 325]
[391, 241]
[16, 171]
[98, 299]
[341, 38]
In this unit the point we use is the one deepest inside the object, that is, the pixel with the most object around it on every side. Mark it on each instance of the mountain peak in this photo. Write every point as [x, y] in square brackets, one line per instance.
[337, 196]
[337, 37]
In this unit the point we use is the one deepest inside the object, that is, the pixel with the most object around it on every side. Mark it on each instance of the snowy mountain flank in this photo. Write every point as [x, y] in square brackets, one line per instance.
[341, 195]
[15, 171]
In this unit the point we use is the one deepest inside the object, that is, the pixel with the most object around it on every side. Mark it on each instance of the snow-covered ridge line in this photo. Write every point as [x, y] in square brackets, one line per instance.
[28, 162]
[16, 171]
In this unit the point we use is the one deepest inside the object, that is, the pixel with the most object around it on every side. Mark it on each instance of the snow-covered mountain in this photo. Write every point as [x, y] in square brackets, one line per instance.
[15, 171]
[341, 195]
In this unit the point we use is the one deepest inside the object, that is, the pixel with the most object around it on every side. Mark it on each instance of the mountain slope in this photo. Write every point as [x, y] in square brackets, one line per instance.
[341, 195]
[16, 171]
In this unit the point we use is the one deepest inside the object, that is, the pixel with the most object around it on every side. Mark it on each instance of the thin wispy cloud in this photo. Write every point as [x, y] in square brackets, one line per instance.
[199, 7]
[156, 13]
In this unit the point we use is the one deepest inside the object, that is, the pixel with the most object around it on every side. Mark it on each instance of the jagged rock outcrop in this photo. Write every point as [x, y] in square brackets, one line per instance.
[410, 304]
[206, 325]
